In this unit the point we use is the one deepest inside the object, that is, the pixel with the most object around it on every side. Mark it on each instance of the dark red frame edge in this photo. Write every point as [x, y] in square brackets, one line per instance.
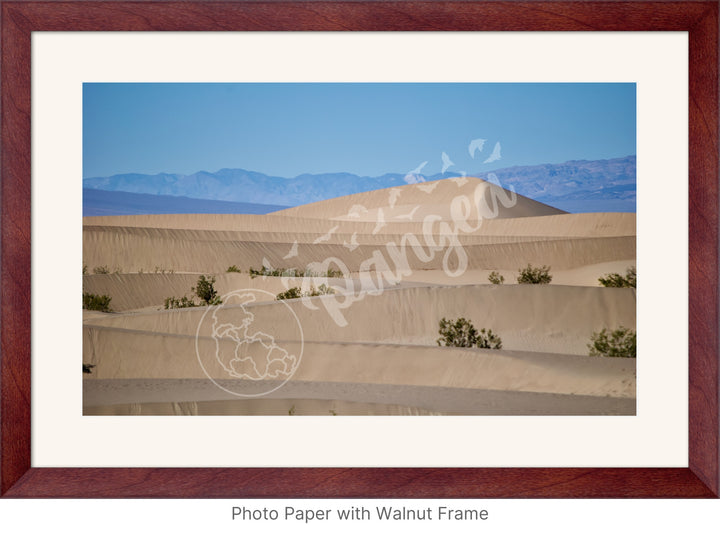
[18, 479]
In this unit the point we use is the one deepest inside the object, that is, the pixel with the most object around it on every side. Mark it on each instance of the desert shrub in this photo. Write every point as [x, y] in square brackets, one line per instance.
[293, 272]
[267, 272]
[205, 290]
[85, 269]
[296, 292]
[87, 368]
[496, 278]
[615, 280]
[291, 293]
[458, 333]
[534, 275]
[329, 273]
[233, 269]
[462, 333]
[96, 302]
[102, 270]
[488, 340]
[183, 302]
[321, 290]
[621, 342]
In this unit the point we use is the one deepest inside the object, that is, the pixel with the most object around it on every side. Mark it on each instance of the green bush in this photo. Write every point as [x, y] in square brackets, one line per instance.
[330, 273]
[183, 302]
[96, 302]
[102, 270]
[322, 290]
[85, 269]
[488, 340]
[458, 333]
[267, 272]
[296, 292]
[87, 368]
[496, 278]
[292, 293]
[615, 280]
[621, 342]
[205, 290]
[293, 272]
[233, 269]
[462, 333]
[534, 275]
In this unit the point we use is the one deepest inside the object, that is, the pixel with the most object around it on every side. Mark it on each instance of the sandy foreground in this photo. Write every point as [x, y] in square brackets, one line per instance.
[406, 257]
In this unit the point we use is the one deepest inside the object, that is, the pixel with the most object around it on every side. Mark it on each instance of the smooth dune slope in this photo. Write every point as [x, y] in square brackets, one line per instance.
[415, 201]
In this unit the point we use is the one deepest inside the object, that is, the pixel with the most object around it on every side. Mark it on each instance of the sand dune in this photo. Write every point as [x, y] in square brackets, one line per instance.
[450, 380]
[414, 201]
[370, 352]
[134, 291]
[162, 356]
[558, 319]
[202, 254]
[565, 225]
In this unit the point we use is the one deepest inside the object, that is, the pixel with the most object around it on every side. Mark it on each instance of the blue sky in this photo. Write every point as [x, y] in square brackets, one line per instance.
[366, 129]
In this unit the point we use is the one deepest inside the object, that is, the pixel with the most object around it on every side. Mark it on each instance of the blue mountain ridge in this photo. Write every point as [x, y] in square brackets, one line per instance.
[590, 184]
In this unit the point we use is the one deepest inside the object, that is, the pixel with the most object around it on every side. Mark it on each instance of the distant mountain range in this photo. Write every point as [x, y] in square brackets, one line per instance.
[600, 185]
[577, 186]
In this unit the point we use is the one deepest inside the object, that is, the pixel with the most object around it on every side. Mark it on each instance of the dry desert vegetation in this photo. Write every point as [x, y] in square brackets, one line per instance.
[400, 261]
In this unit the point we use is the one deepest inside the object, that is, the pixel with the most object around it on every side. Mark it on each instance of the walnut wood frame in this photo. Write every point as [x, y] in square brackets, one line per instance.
[19, 479]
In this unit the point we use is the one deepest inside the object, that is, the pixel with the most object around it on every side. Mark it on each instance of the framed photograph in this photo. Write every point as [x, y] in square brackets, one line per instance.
[359, 249]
